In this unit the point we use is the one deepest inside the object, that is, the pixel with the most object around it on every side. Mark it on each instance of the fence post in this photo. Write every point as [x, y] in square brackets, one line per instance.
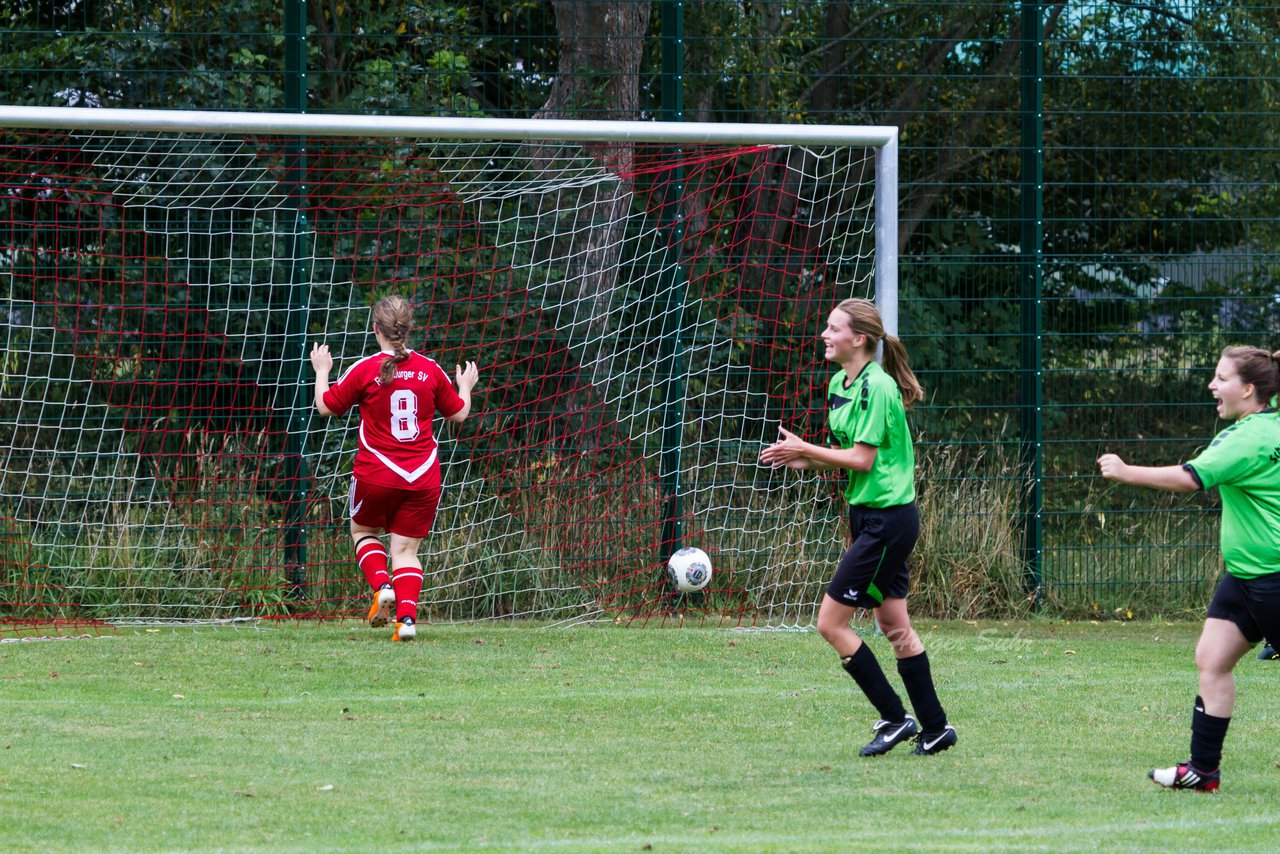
[298, 297]
[675, 283]
[1031, 387]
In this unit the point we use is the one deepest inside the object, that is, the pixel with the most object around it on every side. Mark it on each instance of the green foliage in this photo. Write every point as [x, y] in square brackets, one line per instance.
[377, 57]
[962, 324]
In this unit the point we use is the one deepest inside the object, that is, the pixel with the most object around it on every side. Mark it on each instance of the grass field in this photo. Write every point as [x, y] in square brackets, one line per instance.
[328, 738]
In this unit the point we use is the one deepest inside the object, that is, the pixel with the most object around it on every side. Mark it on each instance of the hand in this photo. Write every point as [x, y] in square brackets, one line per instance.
[467, 377]
[788, 451]
[320, 358]
[1111, 466]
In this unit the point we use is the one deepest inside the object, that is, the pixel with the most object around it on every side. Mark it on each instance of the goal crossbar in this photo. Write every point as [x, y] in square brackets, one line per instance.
[883, 139]
[209, 121]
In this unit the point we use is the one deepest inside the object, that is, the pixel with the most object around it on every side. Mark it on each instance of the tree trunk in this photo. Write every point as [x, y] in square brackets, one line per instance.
[601, 44]
[834, 56]
[601, 47]
[917, 205]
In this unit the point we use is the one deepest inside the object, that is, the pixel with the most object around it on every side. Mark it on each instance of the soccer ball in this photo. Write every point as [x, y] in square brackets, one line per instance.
[690, 569]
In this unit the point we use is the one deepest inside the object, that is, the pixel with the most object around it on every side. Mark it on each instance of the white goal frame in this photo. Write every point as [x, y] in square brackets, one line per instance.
[883, 139]
[668, 479]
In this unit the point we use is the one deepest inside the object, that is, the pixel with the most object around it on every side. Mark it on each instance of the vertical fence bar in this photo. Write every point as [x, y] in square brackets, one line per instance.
[675, 284]
[295, 345]
[1031, 387]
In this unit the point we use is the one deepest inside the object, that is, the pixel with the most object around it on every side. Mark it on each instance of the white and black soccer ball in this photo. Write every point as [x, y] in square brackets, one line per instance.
[690, 569]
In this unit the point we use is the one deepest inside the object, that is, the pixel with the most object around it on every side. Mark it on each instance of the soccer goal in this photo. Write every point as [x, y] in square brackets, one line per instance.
[643, 300]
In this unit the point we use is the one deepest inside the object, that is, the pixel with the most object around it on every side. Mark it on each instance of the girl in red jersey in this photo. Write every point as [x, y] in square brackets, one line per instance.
[395, 484]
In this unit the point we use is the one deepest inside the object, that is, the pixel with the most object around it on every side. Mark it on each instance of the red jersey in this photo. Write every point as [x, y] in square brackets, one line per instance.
[396, 446]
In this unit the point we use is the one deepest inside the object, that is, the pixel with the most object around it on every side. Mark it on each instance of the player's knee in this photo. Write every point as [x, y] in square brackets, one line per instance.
[1210, 662]
[831, 628]
[404, 548]
[900, 635]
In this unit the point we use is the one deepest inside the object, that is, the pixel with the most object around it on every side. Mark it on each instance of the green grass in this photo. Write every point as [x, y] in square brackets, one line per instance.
[328, 738]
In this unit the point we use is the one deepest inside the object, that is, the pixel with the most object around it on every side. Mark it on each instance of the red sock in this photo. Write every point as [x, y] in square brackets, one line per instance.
[372, 557]
[408, 584]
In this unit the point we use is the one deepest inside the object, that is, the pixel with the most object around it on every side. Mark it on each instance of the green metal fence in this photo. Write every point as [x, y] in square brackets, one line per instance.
[1088, 196]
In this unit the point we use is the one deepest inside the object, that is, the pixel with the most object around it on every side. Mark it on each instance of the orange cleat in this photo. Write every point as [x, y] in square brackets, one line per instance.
[380, 611]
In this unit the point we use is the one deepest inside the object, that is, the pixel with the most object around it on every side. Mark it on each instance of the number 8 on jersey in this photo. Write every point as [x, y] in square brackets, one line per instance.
[404, 415]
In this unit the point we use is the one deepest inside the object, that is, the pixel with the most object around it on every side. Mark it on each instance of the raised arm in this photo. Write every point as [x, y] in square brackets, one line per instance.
[467, 378]
[322, 362]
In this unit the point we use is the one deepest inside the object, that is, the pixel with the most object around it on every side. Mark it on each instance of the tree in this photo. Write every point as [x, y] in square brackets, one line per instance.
[601, 45]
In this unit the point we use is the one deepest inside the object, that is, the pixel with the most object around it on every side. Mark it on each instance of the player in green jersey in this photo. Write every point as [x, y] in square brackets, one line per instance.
[868, 419]
[1269, 651]
[1243, 462]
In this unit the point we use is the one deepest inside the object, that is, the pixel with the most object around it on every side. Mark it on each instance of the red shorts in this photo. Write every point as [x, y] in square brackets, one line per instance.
[409, 513]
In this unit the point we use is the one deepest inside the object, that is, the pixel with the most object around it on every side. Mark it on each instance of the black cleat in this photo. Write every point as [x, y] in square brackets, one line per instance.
[889, 735]
[1268, 652]
[929, 743]
[1185, 776]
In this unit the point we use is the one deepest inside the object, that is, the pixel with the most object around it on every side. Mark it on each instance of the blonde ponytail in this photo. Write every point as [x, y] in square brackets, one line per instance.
[393, 317]
[864, 319]
[896, 366]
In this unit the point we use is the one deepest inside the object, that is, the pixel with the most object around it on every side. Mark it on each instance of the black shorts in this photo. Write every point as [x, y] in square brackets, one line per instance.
[875, 566]
[1253, 604]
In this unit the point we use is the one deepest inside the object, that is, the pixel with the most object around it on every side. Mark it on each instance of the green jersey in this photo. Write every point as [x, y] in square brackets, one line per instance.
[870, 411]
[1243, 461]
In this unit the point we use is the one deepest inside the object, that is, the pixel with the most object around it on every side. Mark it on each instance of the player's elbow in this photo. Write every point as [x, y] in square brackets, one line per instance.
[862, 457]
[861, 462]
[322, 409]
[459, 416]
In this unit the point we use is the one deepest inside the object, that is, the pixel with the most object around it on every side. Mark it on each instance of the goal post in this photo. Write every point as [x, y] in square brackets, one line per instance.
[642, 298]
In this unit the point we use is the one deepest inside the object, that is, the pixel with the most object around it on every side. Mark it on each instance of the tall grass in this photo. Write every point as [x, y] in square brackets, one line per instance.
[967, 563]
[562, 540]
[1156, 557]
[564, 548]
[199, 544]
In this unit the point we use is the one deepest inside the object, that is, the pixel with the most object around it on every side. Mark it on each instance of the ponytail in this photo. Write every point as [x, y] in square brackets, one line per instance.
[1275, 362]
[895, 365]
[388, 368]
[393, 317]
[864, 318]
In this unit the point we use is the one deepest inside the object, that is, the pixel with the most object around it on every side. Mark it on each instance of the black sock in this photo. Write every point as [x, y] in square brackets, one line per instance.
[866, 671]
[1207, 734]
[924, 697]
